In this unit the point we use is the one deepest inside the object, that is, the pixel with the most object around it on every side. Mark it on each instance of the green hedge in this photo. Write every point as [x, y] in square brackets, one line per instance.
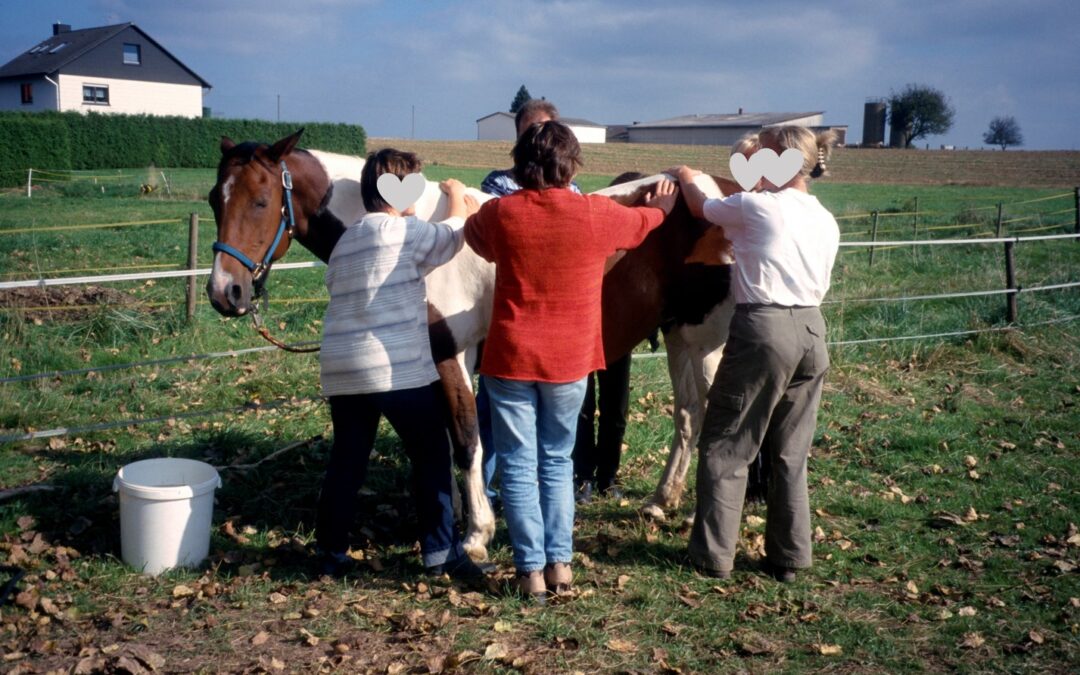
[26, 141]
[71, 140]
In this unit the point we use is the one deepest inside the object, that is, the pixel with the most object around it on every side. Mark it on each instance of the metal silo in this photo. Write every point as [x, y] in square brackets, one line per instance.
[873, 134]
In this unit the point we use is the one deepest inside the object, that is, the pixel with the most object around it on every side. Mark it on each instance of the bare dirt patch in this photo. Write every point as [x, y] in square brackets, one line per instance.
[64, 303]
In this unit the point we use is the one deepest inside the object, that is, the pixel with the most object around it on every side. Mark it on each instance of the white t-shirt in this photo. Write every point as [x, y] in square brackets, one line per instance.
[784, 243]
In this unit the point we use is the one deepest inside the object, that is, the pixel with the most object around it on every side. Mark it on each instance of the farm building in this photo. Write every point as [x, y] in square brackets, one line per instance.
[721, 129]
[110, 69]
[499, 126]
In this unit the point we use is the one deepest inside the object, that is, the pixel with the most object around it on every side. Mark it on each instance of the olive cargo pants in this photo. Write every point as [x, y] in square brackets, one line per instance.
[764, 398]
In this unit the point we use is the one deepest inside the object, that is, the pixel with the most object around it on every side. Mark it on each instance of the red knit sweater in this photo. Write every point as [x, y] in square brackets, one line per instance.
[549, 248]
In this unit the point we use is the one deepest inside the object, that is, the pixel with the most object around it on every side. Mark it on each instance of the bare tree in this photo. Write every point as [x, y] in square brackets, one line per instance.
[1004, 131]
[919, 111]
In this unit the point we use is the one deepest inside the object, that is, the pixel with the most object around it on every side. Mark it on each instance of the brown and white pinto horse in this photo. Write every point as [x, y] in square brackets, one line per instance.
[661, 282]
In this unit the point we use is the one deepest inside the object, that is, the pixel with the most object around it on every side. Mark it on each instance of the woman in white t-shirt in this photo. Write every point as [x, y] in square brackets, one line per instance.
[766, 392]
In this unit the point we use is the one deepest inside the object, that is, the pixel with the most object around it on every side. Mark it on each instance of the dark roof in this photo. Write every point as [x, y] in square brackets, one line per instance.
[57, 51]
[726, 120]
[572, 121]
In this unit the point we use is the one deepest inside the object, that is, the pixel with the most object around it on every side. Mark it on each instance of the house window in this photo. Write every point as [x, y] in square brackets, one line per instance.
[132, 54]
[27, 92]
[95, 94]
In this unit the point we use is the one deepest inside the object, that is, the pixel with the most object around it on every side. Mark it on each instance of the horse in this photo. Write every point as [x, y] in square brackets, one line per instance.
[318, 194]
[267, 195]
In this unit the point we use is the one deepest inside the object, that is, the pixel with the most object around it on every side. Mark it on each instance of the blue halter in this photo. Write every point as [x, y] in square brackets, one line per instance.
[287, 225]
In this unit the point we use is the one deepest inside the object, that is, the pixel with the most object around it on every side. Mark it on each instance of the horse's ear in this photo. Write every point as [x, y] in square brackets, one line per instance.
[227, 144]
[285, 145]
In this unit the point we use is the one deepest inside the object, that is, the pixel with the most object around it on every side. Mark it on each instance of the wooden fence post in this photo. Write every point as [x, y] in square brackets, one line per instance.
[192, 259]
[29, 182]
[1010, 283]
[999, 223]
[873, 235]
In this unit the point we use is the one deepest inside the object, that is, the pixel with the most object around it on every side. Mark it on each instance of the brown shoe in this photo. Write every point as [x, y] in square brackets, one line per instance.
[558, 577]
[531, 586]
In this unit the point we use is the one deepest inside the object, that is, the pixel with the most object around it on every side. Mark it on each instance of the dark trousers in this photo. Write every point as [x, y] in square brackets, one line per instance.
[597, 452]
[417, 416]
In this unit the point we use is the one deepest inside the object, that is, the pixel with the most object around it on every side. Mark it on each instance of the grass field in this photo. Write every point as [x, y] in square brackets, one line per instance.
[943, 477]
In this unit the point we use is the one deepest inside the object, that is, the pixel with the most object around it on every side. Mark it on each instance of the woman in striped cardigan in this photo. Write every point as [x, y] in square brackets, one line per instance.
[376, 360]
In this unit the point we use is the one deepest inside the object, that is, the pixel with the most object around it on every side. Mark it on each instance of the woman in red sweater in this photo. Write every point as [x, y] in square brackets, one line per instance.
[549, 245]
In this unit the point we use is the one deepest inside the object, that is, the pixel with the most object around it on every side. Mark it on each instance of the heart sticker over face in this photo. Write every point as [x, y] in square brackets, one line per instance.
[401, 193]
[765, 163]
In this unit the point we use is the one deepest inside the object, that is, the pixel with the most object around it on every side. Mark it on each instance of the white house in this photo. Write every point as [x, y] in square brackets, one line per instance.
[499, 126]
[721, 129]
[111, 69]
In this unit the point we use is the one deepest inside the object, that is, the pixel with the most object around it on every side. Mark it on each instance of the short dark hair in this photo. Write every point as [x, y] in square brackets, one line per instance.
[547, 155]
[387, 160]
[533, 108]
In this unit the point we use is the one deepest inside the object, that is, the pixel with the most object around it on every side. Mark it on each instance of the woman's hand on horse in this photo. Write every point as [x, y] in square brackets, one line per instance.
[683, 173]
[452, 187]
[663, 197]
[471, 205]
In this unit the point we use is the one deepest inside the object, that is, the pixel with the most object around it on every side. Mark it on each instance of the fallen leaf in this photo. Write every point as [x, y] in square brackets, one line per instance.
[972, 641]
[970, 461]
[967, 611]
[503, 627]
[182, 591]
[276, 598]
[829, 650]
[496, 651]
[260, 638]
[621, 646]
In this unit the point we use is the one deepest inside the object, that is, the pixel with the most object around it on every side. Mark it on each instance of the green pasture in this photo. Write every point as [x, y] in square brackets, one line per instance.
[943, 476]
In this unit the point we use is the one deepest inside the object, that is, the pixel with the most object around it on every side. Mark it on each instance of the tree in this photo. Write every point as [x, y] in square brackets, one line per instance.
[521, 98]
[1004, 131]
[919, 111]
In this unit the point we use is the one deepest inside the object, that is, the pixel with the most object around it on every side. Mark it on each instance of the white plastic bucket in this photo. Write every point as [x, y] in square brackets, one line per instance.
[165, 510]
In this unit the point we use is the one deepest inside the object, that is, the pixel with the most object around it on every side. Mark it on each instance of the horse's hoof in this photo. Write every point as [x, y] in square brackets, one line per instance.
[688, 522]
[653, 512]
[476, 551]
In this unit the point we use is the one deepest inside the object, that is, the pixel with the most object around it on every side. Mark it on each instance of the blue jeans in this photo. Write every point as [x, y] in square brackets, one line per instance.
[487, 444]
[534, 424]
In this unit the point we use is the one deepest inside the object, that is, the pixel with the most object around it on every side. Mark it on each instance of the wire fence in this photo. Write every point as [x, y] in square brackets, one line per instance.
[1015, 237]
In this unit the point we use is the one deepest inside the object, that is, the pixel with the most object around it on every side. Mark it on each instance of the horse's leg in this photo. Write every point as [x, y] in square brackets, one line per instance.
[694, 353]
[457, 384]
[672, 482]
[481, 526]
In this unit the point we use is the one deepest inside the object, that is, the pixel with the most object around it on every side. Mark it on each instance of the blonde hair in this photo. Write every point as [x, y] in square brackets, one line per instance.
[747, 145]
[815, 148]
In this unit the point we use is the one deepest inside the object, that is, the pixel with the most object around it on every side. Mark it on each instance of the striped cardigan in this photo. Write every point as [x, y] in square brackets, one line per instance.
[375, 335]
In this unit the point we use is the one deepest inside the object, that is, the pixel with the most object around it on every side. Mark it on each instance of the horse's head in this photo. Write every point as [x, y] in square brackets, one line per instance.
[253, 211]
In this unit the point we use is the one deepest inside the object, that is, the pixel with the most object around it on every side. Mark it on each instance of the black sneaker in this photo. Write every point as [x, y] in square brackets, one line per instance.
[613, 491]
[462, 568]
[334, 564]
[710, 572]
[784, 575]
[584, 493]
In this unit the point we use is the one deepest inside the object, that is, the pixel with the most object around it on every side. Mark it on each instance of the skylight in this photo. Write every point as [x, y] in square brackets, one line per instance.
[58, 47]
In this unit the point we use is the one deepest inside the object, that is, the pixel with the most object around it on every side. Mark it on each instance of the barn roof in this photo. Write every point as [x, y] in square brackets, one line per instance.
[726, 120]
[569, 121]
[56, 52]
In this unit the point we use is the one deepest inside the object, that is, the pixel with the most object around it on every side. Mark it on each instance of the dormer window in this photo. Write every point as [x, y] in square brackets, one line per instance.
[132, 54]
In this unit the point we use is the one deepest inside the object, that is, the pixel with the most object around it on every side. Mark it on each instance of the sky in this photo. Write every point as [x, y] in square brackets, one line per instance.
[428, 70]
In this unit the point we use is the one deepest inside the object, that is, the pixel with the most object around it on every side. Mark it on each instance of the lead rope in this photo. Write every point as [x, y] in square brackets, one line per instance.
[257, 321]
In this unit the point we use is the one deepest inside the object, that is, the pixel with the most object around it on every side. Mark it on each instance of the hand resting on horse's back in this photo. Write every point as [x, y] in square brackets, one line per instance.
[663, 197]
